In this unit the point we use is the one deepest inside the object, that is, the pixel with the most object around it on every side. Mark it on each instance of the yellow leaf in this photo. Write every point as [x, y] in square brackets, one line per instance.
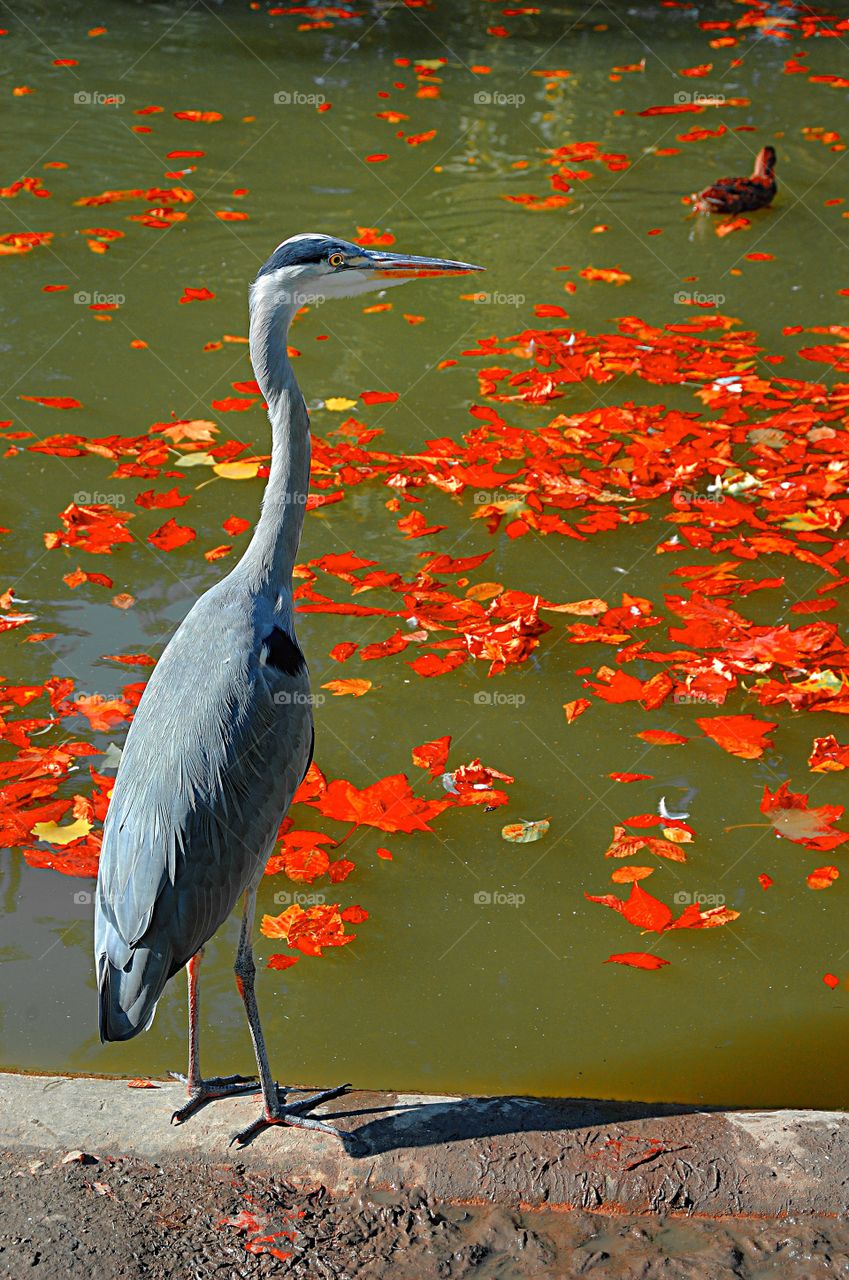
[338, 404]
[237, 470]
[54, 834]
[677, 835]
[195, 460]
[525, 832]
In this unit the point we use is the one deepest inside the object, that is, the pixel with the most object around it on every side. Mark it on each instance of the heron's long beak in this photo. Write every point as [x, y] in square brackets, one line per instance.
[407, 266]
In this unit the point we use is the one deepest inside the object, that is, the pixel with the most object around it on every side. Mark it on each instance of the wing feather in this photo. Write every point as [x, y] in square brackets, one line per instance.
[211, 762]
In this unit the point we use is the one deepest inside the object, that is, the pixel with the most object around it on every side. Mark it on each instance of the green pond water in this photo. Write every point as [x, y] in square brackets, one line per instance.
[440, 991]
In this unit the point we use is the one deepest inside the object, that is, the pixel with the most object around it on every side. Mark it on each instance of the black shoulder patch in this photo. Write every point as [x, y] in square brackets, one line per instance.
[283, 653]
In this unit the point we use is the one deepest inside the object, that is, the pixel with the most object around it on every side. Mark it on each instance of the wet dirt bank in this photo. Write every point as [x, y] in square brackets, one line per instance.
[128, 1219]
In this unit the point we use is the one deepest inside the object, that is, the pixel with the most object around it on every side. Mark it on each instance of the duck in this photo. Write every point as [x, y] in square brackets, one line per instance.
[739, 195]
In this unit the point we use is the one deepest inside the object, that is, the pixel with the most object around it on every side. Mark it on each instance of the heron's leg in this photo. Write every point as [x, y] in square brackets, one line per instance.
[272, 1112]
[193, 1079]
[245, 971]
[199, 1090]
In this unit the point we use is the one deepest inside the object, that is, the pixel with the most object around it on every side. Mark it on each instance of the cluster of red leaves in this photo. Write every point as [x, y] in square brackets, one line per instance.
[308, 930]
[31, 779]
[503, 632]
[388, 804]
[761, 476]
[96, 528]
[262, 1230]
[649, 913]
[642, 909]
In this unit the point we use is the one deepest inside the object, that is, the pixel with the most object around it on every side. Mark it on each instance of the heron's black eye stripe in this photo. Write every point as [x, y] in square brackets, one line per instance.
[303, 251]
[281, 652]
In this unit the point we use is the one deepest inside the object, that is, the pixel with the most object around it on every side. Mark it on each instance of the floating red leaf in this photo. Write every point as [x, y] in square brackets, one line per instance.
[432, 755]
[790, 816]
[637, 960]
[171, 535]
[742, 736]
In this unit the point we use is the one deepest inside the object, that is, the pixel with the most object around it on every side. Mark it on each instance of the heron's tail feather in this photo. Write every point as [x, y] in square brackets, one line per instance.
[128, 995]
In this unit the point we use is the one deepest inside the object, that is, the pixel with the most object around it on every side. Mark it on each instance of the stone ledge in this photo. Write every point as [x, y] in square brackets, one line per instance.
[552, 1152]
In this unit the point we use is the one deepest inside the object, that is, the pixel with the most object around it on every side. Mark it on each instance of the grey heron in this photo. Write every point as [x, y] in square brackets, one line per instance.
[223, 735]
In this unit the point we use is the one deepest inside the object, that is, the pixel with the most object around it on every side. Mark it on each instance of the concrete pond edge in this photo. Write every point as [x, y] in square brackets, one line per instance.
[609, 1156]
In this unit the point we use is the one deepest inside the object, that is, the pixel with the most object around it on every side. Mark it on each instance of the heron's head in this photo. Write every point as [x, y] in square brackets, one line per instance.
[311, 268]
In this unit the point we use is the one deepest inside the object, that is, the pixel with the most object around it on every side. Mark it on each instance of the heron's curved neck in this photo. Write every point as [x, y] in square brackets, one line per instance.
[270, 557]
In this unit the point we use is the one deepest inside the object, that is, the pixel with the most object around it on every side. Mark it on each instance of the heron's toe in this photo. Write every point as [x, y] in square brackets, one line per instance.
[212, 1089]
[292, 1114]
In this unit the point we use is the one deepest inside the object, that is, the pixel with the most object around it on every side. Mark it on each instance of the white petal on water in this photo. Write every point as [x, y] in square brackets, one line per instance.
[664, 812]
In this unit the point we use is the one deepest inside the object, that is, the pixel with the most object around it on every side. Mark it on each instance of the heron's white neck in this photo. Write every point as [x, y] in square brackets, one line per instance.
[270, 557]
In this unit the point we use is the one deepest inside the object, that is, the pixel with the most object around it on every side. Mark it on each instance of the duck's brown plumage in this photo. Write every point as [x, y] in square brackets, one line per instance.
[738, 195]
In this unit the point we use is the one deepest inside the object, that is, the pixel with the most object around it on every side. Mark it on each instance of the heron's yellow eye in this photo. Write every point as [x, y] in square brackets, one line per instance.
[336, 259]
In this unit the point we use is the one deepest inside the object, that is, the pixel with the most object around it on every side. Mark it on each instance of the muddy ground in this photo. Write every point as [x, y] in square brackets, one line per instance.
[125, 1219]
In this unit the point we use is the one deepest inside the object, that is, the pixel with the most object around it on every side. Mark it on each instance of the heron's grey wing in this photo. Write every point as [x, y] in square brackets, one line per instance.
[219, 744]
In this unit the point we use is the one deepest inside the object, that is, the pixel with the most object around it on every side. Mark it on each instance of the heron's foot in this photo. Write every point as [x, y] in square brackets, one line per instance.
[208, 1090]
[292, 1113]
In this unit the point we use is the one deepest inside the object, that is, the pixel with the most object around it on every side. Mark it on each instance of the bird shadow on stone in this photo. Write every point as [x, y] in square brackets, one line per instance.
[410, 1125]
